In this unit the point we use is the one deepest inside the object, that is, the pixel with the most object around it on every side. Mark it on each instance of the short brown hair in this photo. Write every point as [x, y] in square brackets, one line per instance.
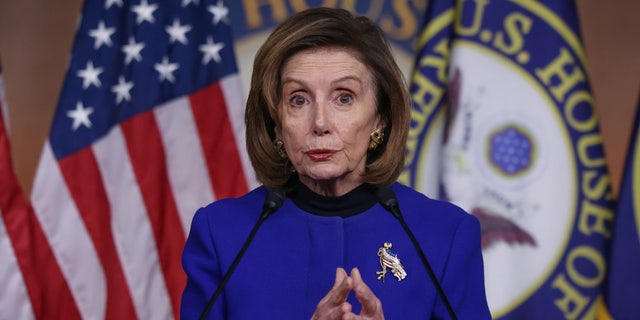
[319, 28]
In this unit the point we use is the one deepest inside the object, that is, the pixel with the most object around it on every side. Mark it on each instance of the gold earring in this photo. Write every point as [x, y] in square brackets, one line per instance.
[280, 148]
[376, 138]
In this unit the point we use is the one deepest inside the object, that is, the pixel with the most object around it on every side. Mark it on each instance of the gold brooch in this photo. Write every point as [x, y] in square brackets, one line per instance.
[389, 259]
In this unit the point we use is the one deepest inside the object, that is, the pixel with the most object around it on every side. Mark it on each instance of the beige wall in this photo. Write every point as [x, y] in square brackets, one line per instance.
[36, 37]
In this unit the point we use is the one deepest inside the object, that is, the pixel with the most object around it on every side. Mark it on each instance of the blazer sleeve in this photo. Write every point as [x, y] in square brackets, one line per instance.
[463, 277]
[200, 263]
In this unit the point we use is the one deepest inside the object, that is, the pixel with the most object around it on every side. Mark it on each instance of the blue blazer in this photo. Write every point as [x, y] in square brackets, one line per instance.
[291, 263]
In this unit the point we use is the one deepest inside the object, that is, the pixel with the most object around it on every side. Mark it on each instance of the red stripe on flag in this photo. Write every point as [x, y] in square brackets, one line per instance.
[149, 164]
[47, 288]
[85, 184]
[45, 283]
[218, 142]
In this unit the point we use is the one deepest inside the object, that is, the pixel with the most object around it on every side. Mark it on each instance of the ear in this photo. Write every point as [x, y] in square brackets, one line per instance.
[278, 132]
[380, 123]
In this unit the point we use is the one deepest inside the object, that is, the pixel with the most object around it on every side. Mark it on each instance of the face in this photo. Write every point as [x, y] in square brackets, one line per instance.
[327, 113]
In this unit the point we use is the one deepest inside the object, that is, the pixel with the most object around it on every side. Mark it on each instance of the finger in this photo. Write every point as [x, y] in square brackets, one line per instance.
[339, 293]
[347, 312]
[341, 286]
[349, 316]
[340, 275]
[331, 314]
[330, 305]
[327, 311]
[346, 307]
[371, 306]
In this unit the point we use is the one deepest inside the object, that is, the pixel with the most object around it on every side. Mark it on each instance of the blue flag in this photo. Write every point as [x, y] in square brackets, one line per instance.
[503, 125]
[623, 281]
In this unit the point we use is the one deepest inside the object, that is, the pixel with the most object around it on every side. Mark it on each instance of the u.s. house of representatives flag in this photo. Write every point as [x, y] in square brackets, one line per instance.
[148, 128]
[503, 125]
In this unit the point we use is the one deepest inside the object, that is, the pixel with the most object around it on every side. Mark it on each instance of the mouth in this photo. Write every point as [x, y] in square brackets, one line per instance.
[320, 154]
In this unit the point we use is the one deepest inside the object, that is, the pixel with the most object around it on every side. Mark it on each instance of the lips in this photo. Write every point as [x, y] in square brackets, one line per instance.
[320, 154]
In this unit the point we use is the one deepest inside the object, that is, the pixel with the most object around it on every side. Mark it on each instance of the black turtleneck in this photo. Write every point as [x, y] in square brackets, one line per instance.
[353, 202]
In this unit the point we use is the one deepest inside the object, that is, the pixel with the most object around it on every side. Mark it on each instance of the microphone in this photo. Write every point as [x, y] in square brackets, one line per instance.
[272, 202]
[388, 200]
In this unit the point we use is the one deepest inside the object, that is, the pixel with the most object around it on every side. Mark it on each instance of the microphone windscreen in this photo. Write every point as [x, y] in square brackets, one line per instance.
[386, 197]
[274, 200]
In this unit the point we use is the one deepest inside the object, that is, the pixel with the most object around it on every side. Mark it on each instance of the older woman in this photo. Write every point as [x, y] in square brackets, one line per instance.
[327, 119]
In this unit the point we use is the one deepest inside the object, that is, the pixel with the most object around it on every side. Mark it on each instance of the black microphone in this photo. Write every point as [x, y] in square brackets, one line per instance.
[388, 200]
[273, 202]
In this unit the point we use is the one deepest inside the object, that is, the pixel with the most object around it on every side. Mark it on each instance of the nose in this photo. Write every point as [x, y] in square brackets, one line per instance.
[321, 119]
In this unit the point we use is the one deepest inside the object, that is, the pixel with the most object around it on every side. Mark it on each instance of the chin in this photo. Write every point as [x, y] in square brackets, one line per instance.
[325, 174]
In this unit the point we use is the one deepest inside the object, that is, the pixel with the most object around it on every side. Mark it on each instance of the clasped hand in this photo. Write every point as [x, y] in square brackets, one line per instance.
[335, 306]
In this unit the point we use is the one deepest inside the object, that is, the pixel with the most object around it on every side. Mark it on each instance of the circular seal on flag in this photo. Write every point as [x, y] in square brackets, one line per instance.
[508, 161]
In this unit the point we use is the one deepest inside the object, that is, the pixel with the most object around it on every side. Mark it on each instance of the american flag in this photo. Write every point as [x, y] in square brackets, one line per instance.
[148, 128]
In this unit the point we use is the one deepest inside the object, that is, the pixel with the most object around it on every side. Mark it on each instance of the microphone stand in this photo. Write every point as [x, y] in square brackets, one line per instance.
[390, 202]
[273, 202]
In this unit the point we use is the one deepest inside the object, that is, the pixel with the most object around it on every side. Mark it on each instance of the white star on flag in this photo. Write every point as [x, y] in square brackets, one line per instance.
[132, 51]
[211, 50]
[220, 12]
[80, 116]
[178, 32]
[122, 90]
[90, 75]
[101, 35]
[109, 3]
[144, 12]
[166, 69]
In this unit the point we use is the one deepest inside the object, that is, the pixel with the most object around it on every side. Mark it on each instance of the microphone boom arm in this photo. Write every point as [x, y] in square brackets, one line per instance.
[273, 202]
[389, 201]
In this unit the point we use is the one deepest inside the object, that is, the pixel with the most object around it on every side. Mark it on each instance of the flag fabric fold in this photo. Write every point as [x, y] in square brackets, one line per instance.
[503, 125]
[147, 129]
[33, 285]
[623, 278]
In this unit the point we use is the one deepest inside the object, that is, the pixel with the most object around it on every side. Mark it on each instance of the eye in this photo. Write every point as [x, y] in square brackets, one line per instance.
[297, 101]
[345, 99]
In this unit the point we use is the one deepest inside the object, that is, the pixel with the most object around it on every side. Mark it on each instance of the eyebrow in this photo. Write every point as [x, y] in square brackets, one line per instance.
[343, 79]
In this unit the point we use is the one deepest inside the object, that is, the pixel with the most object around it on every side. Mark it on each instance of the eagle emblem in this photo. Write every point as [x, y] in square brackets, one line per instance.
[390, 260]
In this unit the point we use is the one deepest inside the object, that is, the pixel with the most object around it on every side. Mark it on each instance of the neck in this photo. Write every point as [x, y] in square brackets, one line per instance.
[330, 188]
[352, 203]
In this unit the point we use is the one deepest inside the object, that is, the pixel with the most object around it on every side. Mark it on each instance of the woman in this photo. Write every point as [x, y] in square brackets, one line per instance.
[327, 120]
